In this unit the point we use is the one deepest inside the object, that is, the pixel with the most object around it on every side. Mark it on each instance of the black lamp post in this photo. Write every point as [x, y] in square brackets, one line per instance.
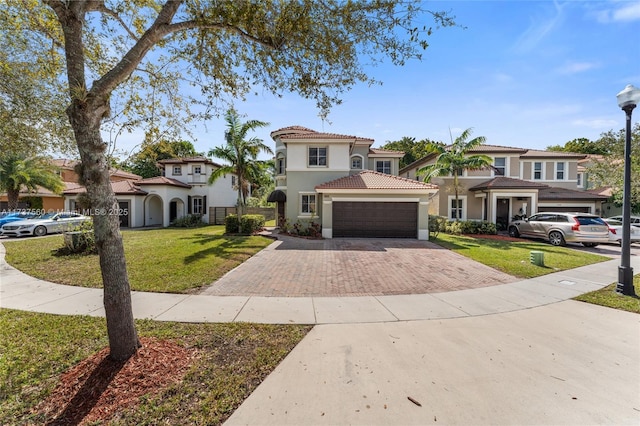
[628, 99]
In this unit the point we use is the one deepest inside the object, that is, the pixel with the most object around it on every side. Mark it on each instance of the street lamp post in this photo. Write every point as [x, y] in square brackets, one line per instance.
[628, 99]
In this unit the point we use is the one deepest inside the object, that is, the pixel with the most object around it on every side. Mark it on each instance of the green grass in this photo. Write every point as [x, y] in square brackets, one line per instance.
[607, 296]
[232, 359]
[162, 260]
[513, 257]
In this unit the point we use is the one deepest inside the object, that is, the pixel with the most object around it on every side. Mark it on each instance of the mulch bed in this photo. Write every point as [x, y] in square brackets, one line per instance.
[98, 388]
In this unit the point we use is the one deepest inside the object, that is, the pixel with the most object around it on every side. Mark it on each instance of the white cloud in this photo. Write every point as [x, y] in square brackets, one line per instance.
[576, 67]
[596, 123]
[626, 12]
[539, 29]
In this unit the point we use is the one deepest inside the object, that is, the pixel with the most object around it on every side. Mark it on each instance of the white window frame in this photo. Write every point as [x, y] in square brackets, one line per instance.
[359, 158]
[533, 170]
[280, 165]
[197, 205]
[383, 166]
[557, 170]
[463, 200]
[318, 156]
[504, 168]
[311, 211]
[177, 170]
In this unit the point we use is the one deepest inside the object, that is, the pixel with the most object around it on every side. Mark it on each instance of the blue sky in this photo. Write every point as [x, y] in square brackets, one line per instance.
[523, 73]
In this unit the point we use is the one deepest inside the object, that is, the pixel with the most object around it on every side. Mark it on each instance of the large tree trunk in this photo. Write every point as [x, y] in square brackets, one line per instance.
[94, 175]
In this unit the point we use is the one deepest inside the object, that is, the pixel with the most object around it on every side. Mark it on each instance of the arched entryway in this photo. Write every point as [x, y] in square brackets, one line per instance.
[153, 211]
[176, 209]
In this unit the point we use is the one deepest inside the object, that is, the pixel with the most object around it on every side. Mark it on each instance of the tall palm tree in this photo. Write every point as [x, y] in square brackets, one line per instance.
[240, 153]
[454, 160]
[19, 171]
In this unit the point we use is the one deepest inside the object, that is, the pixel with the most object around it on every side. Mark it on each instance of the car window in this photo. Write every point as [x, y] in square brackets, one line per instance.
[613, 222]
[545, 217]
[586, 220]
[561, 218]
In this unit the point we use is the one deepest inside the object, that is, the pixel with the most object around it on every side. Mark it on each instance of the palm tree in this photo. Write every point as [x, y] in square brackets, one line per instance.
[454, 160]
[19, 171]
[240, 153]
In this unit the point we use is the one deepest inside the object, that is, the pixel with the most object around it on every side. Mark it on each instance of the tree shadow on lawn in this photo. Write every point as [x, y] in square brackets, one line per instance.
[226, 247]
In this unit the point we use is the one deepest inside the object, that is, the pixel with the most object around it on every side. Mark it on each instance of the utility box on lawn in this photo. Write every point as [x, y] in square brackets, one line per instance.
[537, 258]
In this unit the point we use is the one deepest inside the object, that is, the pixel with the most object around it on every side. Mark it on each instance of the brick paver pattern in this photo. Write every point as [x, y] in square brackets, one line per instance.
[296, 267]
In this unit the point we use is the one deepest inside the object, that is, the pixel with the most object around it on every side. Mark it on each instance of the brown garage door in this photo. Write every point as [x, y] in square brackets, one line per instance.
[375, 219]
[564, 209]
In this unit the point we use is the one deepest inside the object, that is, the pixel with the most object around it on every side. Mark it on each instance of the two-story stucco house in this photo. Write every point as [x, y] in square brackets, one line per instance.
[181, 190]
[349, 188]
[522, 182]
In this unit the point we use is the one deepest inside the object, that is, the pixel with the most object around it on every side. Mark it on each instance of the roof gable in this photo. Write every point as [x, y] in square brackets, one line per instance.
[369, 179]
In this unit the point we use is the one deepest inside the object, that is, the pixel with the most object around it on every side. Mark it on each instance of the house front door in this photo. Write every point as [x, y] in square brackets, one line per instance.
[173, 211]
[502, 213]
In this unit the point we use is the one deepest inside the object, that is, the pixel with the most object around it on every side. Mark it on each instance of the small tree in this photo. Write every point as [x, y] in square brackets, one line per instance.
[18, 171]
[454, 159]
[241, 154]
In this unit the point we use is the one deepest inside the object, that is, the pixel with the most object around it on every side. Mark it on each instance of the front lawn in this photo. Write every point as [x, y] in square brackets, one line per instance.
[228, 361]
[512, 257]
[172, 260]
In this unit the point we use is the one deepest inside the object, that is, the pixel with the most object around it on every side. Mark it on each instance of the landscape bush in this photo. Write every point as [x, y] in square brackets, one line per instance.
[250, 223]
[188, 221]
[78, 240]
[231, 224]
[439, 224]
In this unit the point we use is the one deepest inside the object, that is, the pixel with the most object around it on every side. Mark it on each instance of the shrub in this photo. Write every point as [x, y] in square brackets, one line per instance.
[250, 223]
[470, 227]
[307, 229]
[231, 224]
[78, 240]
[437, 224]
[487, 228]
[188, 221]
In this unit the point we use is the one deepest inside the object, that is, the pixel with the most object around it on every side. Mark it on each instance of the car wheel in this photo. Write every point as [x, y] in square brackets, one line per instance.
[40, 231]
[513, 232]
[556, 239]
[590, 244]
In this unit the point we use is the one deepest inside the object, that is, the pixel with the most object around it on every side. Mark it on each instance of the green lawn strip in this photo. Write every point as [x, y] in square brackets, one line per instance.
[513, 257]
[162, 260]
[232, 360]
[607, 296]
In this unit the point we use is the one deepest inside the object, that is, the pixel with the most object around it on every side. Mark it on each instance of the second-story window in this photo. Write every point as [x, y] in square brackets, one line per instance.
[280, 166]
[317, 156]
[356, 163]
[537, 170]
[579, 180]
[177, 170]
[197, 170]
[500, 166]
[559, 171]
[383, 166]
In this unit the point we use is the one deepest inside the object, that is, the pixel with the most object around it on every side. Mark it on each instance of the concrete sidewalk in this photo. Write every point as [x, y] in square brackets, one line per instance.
[568, 363]
[22, 292]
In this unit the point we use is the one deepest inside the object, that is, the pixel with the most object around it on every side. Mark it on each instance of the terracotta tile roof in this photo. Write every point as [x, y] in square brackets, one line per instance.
[185, 160]
[386, 151]
[123, 187]
[369, 179]
[318, 135]
[604, 190]
[162, 180]
[553, 193]
[297, 129]
[502, 182]
[65, 163]
[497, 148]
[534, 153]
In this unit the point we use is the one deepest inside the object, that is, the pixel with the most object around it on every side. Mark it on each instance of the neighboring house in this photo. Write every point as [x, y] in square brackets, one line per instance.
[66, 167]
[349, 188]
[521, 182]
[181, 190]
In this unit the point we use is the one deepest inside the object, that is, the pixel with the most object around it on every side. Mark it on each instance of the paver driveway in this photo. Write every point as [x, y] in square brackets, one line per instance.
[354, 267]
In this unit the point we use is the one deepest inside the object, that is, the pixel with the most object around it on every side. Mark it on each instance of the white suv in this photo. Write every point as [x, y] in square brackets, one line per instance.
[634, 220]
